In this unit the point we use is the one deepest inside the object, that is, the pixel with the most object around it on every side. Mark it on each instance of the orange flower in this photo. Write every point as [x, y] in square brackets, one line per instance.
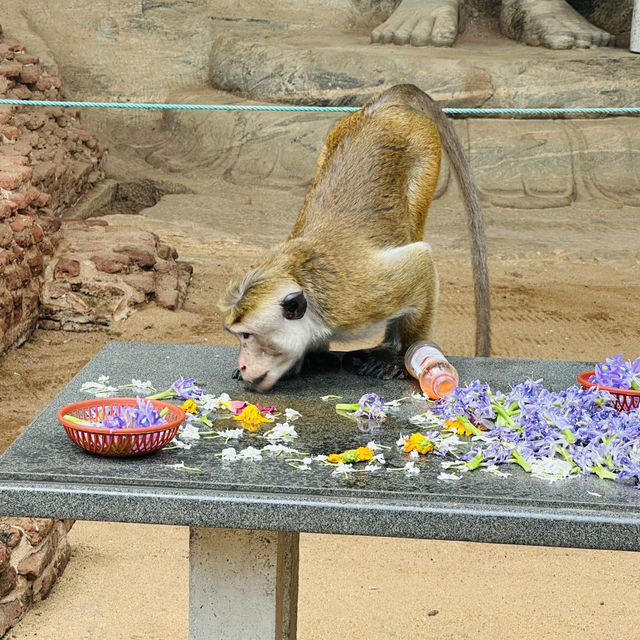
[459, 428]
[364, 453]
[417, 442]
[334, 458]
[251, 417]
[190, 406]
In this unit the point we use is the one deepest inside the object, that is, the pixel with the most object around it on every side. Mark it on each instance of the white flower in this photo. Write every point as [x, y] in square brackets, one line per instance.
[551, 468]
[372, 466]
[282, 431]
[189, 432]
[278, 448]
[414, 454]
[379, 458]
[181, 465]
[455, 464]
[250, 453]
[100, 389]
[208, 402]
[231, 434]
[229, 455]
[320, 458]
[400, 441]
[342, 468]
[410, 469]
[493, 468]
[139, 387]
[306, 464]
[178, 443]
[422, 419]
[291, 414]
[448, 476]
[373, 446]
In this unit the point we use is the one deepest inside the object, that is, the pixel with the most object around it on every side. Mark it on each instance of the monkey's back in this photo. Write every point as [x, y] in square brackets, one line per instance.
[377, 173]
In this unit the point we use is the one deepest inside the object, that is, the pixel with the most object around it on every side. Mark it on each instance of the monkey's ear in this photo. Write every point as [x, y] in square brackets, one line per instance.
[294, 306]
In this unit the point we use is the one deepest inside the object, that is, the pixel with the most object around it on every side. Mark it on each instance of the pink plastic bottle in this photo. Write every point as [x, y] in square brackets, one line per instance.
[426, 362]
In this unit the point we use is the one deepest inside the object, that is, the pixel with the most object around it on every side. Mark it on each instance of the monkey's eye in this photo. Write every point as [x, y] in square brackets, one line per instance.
[246, 336]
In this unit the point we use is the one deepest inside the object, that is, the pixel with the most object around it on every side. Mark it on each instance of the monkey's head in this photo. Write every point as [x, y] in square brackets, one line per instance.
[269, 314]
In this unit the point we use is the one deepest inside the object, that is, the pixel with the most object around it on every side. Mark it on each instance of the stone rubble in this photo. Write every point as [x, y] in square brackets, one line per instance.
[101, 272]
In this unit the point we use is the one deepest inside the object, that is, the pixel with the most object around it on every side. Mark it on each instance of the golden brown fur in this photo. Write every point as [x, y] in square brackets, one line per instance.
[355, 251]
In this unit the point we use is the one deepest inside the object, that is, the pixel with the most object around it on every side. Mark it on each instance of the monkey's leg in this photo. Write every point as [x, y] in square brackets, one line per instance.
[413, 291]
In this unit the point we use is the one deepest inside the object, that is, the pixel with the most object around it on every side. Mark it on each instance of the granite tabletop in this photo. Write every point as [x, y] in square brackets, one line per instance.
[44, 474]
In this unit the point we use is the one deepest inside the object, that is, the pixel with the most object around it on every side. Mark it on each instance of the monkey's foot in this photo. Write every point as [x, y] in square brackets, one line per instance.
[420, 23]
[378, 363]
[550, 23]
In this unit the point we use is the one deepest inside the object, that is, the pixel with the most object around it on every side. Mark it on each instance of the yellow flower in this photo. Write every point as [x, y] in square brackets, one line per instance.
[251, 417]
[418, 442]
[190, 406]
[459, 428]
[334, 458]
[364, 453]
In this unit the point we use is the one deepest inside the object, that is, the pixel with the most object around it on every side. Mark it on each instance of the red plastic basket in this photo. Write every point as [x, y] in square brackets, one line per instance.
[119, 442]
[624, 399]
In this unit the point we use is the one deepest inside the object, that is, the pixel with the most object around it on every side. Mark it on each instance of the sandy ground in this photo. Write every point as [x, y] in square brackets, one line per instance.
[565, 285]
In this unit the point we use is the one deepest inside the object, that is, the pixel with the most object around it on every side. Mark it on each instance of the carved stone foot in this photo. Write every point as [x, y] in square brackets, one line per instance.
[550, 23]
[377, 363]
[420, 23]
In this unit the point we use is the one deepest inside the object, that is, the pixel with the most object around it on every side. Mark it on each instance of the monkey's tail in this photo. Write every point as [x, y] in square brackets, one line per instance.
[417, 99]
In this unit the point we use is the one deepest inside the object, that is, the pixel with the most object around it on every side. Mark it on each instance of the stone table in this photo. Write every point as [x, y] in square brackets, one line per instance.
[245, 517]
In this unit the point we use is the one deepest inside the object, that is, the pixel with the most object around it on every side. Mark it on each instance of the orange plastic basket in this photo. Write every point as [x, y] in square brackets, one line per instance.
[119, 442]
[624, 399]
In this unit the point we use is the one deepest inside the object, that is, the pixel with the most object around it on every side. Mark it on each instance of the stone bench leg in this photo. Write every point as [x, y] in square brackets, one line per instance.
[243, 584]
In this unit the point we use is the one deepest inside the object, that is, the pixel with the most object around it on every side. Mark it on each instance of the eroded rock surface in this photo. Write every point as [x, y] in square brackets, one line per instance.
[101, 273]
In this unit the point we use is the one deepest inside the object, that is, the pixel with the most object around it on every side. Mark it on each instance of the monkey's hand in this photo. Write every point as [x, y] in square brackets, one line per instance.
[236, 375]
[379, 362]
[321, 362]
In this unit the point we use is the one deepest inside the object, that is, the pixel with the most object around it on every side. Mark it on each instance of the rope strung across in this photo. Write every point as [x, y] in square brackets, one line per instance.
[474, 111]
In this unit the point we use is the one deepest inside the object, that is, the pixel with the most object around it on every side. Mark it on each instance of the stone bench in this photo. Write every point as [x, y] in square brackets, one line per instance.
[245, 517]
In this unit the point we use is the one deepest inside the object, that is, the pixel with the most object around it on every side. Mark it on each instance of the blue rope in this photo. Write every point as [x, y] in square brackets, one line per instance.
[252, 107]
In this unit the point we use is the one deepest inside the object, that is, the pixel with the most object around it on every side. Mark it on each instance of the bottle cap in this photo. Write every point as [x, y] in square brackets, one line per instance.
[444, 384]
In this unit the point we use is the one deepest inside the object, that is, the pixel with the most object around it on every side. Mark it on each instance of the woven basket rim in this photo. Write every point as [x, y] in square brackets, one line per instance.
[583, 379]
[127, 401]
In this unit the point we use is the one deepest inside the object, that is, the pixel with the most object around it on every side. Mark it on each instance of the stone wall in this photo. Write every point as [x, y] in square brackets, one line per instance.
[47, 161]
[33, 553]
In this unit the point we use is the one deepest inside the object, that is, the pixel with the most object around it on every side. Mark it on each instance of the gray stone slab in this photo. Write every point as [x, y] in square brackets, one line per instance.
[44, 474]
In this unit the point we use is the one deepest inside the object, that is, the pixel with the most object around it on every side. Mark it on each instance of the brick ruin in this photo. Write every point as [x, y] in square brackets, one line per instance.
[33, 553]
[67, 274]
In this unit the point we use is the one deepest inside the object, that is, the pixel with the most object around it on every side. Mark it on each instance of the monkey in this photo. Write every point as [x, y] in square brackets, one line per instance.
[355, 261]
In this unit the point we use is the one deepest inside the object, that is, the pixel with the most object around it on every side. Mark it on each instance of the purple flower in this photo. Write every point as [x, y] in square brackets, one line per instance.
[186, 389]
[634, 371]
[371, 407]
[126, 417]
[613, 372]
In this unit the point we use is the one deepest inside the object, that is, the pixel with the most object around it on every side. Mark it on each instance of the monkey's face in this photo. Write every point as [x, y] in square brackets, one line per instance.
[273, 339]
